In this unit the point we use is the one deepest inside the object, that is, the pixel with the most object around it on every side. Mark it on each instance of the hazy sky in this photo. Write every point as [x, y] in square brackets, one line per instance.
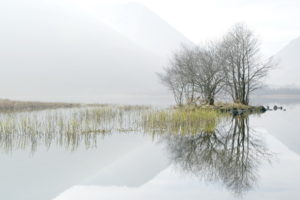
[276, 22]
[43, 40]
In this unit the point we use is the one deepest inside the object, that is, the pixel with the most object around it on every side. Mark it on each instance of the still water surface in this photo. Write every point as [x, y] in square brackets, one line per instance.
[244, 158]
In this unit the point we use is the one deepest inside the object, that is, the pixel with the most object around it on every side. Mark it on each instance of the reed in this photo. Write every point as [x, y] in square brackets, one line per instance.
[66, 127]
[72, 127]
[181, 121]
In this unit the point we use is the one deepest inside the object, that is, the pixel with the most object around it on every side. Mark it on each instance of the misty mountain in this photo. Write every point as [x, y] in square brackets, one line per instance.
[288, 69]
[144, 27]
[51, 52]
[277, 91]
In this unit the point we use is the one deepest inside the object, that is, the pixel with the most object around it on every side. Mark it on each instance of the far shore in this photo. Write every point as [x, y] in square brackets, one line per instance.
[279, 96]
[7, 105]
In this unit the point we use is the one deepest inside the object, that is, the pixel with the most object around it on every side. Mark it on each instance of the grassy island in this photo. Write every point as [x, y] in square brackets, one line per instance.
[233, 108]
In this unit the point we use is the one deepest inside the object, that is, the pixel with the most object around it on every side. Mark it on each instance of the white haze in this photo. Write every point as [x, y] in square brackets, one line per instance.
[52, 53]
[276, 22]
[84, 51]
[143, 27]
[286, 74]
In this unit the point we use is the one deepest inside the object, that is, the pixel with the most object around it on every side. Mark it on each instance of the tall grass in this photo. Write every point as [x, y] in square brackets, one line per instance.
[181, 121]
[72, 127]
[65, 127]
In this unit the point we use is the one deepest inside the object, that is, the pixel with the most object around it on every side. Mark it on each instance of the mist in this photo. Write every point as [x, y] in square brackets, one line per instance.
[57, 53]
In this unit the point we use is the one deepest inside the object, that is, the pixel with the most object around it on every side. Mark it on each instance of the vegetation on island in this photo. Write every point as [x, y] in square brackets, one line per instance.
[182, 120]
[231, 67]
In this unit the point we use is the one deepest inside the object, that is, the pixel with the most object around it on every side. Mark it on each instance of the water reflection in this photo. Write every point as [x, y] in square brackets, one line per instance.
[214, 149]
[65, 128]
[231, 154]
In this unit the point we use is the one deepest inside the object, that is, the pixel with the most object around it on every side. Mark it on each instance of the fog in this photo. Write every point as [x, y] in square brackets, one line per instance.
[143, 27]
[57, 51]
[287, 71]
[49, 52]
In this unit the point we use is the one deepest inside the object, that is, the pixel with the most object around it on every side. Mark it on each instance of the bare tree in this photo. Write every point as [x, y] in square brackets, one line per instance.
[179, 75]
[244, 67]
[195, 72]
[209, 75]
[203, 71]
[175, 82]
[186, 67]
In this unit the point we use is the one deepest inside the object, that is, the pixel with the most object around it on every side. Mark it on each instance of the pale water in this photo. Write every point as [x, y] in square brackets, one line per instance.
[245, 158]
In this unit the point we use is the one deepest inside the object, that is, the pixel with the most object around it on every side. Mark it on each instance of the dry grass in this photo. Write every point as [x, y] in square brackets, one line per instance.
[7, 106]
[66, 127]
[186, 120]
[18, 106]
[71, 127]
[224, 107]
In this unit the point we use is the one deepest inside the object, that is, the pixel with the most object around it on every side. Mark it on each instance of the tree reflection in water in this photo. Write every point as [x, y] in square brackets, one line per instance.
[231, 154]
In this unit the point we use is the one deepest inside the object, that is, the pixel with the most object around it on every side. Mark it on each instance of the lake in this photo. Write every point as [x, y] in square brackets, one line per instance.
[42, 156]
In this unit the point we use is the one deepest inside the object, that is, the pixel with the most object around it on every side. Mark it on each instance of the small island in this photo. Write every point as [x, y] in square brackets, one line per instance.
[232, 68]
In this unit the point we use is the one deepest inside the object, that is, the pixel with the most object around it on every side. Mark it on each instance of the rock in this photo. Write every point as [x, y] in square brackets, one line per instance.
[249, 110]
[262, 109]
[241, 111]
[234, 111]
[275, 107]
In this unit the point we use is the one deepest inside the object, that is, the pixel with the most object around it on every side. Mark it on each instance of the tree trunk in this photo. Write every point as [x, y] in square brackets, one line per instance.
[211, 101]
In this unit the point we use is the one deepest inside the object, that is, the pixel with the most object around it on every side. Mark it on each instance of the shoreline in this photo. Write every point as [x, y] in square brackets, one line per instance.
[233, 108]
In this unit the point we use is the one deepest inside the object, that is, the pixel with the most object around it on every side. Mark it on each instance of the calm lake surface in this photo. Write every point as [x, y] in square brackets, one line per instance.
[245, 158]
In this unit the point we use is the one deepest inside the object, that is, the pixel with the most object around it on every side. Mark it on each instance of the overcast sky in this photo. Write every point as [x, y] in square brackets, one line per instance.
[276, 22]
[40, 42]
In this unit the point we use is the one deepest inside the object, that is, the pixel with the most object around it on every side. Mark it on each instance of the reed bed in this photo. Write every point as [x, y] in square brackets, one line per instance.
[72, 127]
[181, 121]
[65, 127]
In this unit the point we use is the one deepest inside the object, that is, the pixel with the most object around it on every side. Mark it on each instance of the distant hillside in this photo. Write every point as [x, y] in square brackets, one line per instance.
[55, 53]
[278, 91]
[281, 95]
[143, 27]
[288, 70]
